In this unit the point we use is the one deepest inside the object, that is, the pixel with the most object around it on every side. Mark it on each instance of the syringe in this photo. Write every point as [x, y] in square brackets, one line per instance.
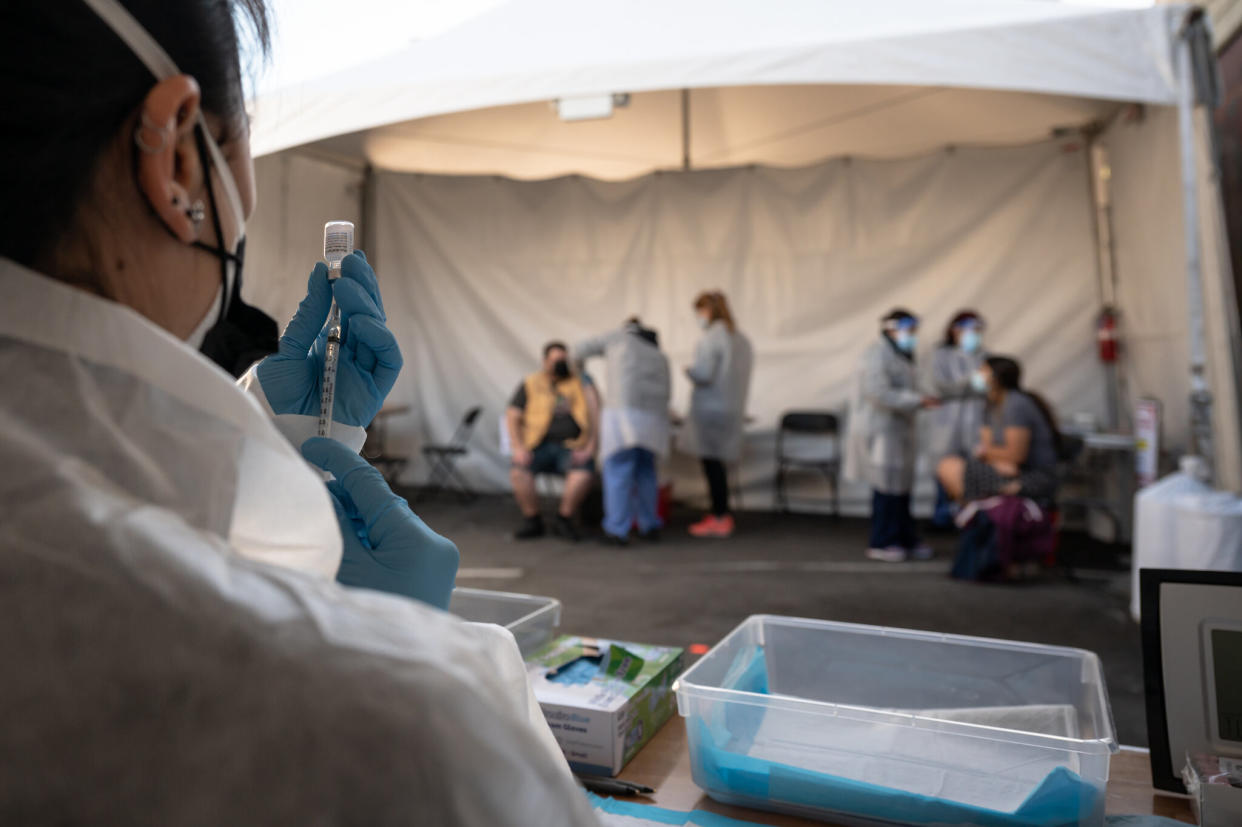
[338, 242]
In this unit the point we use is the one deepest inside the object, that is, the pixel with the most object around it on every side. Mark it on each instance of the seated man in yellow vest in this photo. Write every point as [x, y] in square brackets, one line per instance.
[553, 428]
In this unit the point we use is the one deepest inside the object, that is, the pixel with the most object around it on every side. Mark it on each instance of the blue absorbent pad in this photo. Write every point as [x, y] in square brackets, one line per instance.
[659, 815]
[1061, 800]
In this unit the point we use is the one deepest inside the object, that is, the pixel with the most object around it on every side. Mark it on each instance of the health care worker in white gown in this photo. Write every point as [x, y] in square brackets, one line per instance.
[633, 428]
[713, 431]
[177, 648]
[953, 428]
[882, 449]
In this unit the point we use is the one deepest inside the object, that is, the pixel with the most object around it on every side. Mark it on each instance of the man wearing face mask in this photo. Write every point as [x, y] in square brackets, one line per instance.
[553, 428]
[882, 449]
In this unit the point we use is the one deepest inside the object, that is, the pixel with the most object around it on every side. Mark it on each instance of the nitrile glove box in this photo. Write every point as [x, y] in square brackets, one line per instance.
[603, 709]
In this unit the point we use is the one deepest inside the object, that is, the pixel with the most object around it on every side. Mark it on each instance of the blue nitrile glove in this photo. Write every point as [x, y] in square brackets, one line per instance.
[369, 359]
[387, 547]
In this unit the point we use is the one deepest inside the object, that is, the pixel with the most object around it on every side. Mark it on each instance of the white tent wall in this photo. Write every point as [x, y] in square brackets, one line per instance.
[479, 272]
[1150, 258]
[1224, 340]
[284, 237]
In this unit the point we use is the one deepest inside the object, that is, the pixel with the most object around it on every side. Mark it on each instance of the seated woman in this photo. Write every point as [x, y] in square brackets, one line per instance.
[1019, 442]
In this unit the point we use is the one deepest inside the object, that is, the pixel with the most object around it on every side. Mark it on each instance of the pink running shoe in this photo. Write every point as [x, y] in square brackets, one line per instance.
[713, 526]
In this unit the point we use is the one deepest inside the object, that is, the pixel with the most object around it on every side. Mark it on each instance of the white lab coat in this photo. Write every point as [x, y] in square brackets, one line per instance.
[636, 403]
[177, 650]
[882, 446]
[721, 377]
[953, 428]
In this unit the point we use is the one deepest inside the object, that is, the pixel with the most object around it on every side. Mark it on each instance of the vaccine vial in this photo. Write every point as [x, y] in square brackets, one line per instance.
[338, 242]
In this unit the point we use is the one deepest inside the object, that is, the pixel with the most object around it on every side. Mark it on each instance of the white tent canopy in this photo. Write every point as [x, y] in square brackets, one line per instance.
[789, 82]
[484, 269]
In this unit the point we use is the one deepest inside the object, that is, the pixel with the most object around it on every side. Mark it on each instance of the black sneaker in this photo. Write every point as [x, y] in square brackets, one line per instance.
[652, 536]
[563, 527]
[532, 527]
[614, 541]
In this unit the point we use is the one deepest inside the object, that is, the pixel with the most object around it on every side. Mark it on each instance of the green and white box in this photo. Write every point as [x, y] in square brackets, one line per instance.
[604, 709]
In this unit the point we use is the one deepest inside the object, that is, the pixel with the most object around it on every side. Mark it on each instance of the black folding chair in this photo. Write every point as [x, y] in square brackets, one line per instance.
[375, 449]
[443, 459]
[808, 440]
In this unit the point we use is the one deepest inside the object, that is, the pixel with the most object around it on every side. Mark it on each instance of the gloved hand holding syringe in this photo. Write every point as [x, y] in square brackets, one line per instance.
[338, 242]
[337, 360]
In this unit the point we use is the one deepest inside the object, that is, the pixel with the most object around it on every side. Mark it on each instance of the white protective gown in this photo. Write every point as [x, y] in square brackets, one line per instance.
[177, 650]
[953, 428]
[636, 404]
[882, 447]
[721, 377]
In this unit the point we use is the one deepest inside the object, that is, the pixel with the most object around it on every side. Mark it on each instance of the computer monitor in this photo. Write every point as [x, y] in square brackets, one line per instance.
[1192, 665]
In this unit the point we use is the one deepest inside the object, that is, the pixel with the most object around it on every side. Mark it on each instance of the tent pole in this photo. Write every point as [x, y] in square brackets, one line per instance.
[1230, 475]
[685, 129]
[366, 212]
[1200, 395]
[1093, 192]
[1105, 263]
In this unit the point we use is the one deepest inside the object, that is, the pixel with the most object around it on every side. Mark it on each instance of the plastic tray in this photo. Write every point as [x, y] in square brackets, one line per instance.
[865, 725]
[529, 617]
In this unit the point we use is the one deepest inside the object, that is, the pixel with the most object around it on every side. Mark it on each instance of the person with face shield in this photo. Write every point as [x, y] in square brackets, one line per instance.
[552, 423]
[953, 428]
[200, 631]
[882, 447]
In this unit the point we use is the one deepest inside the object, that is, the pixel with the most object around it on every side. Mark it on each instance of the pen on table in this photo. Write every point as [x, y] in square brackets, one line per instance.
[612, 786]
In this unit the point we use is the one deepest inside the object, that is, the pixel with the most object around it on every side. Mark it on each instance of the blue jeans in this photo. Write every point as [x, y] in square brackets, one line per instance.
[942, 517]
[891, 523]
[630, 492]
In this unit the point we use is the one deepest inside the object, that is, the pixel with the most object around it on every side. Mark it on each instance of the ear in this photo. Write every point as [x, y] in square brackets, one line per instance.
[169, 171]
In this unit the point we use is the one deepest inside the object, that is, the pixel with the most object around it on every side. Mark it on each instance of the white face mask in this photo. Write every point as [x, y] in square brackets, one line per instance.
[195, 339]
[970, 340]
[704, 321]
[979, 382]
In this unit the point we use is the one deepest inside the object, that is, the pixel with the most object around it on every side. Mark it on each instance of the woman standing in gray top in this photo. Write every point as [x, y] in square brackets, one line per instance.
[721, 377]
[1019, 442]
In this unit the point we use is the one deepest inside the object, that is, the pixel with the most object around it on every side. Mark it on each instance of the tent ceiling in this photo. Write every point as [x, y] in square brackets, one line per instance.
[476, 98]
[777, 126]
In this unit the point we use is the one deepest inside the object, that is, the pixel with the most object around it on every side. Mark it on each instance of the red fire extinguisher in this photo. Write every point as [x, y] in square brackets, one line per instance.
[1106, 335]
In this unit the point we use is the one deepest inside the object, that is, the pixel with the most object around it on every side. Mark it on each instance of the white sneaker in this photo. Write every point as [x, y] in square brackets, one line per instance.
[922, 552]
[891, 554]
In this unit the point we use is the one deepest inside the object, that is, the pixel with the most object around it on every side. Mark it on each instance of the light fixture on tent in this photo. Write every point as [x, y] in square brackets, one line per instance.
[590, 107]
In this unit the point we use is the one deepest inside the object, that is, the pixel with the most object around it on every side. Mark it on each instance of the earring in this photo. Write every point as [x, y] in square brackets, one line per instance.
[196, 213]
[146, 124]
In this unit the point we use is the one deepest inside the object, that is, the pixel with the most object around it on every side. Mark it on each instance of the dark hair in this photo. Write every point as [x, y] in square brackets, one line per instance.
[957, 321]
[897, 314]
[1007, 373]
[717, 307]
[554, 345]
[71, 84]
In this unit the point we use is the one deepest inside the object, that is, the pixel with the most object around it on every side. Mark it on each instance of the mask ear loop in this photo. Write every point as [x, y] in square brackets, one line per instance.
[219, 250]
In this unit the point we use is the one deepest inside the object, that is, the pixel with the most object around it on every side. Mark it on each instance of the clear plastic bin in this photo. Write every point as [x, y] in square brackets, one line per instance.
[864, 725]
[531, 618]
